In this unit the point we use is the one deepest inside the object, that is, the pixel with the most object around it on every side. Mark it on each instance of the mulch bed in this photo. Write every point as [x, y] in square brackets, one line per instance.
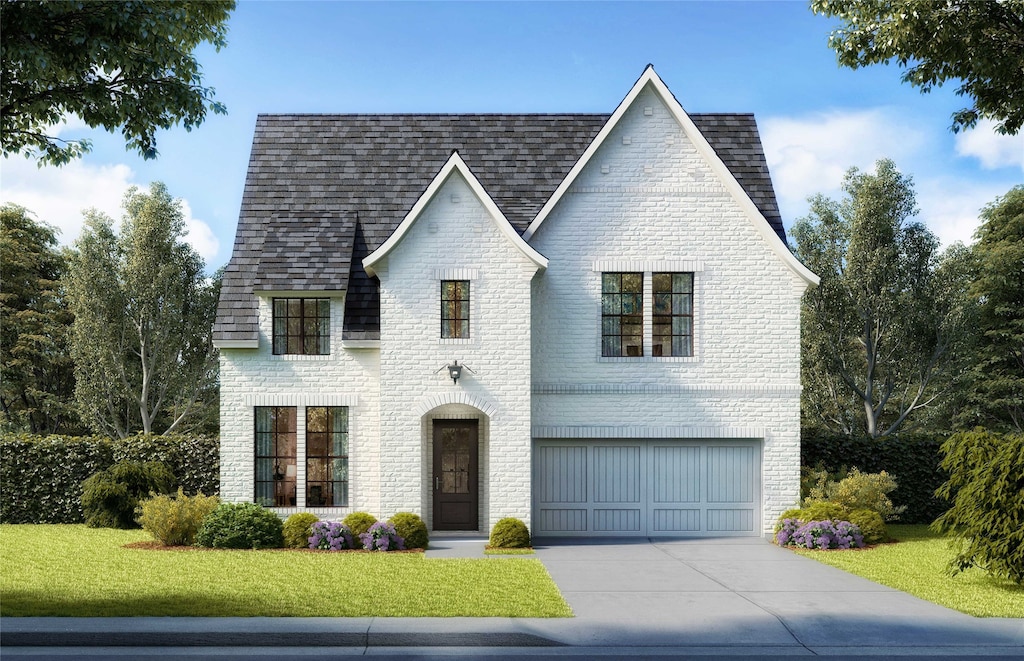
[151, 545]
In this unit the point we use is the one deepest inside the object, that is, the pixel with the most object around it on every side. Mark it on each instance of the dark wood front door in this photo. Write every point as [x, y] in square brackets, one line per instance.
[456, 455]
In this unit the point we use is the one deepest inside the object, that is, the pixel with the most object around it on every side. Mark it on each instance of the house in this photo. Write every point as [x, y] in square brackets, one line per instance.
[588, 322]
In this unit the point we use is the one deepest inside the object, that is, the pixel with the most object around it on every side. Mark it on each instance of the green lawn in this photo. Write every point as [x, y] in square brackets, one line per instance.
[71, 570]
[917, 564]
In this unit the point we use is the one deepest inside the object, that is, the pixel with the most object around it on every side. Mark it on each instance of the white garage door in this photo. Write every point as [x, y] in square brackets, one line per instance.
[655, 487]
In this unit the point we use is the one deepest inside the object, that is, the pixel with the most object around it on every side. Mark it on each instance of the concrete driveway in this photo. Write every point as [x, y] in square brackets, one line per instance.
[744, 592]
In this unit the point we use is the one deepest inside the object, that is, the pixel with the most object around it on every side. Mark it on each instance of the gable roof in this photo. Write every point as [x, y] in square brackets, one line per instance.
[372, 169]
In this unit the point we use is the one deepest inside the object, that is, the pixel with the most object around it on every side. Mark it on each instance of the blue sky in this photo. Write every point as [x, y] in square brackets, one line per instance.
[769, 58]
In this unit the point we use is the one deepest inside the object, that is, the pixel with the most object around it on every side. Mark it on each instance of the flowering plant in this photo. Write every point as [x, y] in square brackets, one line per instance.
[331, 536]
[382, 537]
[827, 534]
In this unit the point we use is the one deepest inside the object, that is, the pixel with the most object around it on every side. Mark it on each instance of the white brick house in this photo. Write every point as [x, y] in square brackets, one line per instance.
[617, 289]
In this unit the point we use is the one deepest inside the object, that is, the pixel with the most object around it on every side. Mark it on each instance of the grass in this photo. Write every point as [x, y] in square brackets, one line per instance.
[72, 570]
[917, 565]
[496, 551]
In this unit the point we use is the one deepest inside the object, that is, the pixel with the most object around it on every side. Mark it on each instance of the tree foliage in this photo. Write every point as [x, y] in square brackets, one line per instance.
[993, 380]
[878, 330]
[36, 373]
[979, 43]
[124, 65]
[142, 338]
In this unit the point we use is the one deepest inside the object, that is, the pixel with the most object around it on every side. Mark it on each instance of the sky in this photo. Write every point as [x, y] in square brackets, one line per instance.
[771, 58]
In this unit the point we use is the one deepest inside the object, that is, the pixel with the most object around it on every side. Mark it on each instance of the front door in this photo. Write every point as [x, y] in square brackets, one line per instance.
[456, 454]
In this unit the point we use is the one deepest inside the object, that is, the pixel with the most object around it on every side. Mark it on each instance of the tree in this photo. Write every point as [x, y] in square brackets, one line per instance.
[36, 373]
[994, 375]
[878, 330]
[980, 43]
[121, 65]
[142, 340]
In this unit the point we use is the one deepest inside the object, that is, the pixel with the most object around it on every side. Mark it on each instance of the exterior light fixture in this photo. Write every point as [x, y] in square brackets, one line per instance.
[455, 370]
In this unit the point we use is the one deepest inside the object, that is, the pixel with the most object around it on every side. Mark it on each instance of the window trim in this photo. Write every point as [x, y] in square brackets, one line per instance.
[463, 310]
[322, 340]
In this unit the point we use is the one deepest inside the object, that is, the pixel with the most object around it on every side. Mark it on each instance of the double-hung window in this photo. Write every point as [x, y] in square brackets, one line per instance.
[673, 314]
[622, 314]
[455, 308]
[302, 326]
[326, 456]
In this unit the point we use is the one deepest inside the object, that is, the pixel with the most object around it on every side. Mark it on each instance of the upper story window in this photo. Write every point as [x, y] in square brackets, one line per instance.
[302, 326]
[455, 308]
[673, 314]
[622, 314]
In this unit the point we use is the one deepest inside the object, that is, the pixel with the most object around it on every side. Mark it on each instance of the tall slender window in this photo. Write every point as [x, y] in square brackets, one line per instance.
[455, 308]
[302, 326]
[326, 456]
[276, 456]
[622, 317]
[673, 314]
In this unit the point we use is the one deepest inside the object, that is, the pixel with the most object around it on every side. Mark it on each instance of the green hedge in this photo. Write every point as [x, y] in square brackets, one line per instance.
[912, 459]
[41, 476]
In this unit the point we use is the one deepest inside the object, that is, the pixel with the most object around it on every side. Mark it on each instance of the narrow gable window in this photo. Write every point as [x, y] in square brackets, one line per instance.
[276, 456]
[622, 316]
[673, 314]
[302, 326]
[455, 308]
[326, 456]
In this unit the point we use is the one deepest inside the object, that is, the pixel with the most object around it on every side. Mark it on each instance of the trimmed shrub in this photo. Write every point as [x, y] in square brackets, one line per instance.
[871, 525]
[174, 520]
[411, 528]
[298, 528]
[241, 526]
[510, 533]
[382, 536]
[913, 459]
[358, 523]
[110, 497]
[330, 536]
[822, 511]
[819, 534]
[986, 489]
[858, 491]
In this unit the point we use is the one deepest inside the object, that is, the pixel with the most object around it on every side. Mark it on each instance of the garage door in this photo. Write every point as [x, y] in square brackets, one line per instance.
[656, 487]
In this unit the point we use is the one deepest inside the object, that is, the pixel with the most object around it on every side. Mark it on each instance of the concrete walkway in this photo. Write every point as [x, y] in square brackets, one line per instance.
[734, 597]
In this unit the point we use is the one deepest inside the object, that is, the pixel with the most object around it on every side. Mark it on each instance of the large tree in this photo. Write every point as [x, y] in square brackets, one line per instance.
[878, 330]
[142, 341]
[124, 65]
[979, 43]
[36, 374]
[993, 381]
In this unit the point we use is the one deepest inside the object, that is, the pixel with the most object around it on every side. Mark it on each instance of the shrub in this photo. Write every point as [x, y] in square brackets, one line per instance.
[382, 536]
[819, 534]
[510, 533]
[411, 528]
[986, 489]
[871, 525]
[297, 530]
[110, 497]
[359, 522]
[174, 520]
[822, 511]
[330, 536]
[857, 491]
[241, 526]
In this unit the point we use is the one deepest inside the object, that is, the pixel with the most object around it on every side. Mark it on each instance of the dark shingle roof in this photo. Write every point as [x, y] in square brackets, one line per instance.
[354, 177]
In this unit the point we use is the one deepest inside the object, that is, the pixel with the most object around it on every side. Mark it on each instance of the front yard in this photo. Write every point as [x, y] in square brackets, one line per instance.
[917, 565]
[72, 570]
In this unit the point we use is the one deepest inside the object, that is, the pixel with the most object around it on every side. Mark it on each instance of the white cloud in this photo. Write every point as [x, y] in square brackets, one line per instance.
[950, 207]
[992, 149]
[811, 153]
[58, 196]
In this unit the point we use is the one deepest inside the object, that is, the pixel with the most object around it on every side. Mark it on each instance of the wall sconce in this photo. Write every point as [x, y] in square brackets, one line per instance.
[455, 370]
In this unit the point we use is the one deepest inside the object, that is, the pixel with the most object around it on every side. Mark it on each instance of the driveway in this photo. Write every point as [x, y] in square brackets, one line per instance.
[740, 592]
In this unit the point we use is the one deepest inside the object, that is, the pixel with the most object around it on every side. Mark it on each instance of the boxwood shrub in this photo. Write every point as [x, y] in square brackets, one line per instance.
[241, 526]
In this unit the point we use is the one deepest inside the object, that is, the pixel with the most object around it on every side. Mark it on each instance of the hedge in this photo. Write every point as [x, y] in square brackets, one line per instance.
[912, 459]
[41, 476]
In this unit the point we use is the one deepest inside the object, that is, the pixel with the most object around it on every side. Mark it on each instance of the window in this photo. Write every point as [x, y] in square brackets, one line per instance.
[622, 317]
[326, 456]
[673, 314]
[455, 308]
[276, 456]
[302, 326]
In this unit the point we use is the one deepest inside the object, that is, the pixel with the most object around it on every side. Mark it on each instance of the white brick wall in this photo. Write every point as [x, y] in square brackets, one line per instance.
[645, 199]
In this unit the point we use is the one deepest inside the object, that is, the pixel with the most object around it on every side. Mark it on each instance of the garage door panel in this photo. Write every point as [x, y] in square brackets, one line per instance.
[617, 520]
[730, 472]
[561, 521]
[666, 520]
[675, 474]
[616, 474]
[564, 479]
[733, 520]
